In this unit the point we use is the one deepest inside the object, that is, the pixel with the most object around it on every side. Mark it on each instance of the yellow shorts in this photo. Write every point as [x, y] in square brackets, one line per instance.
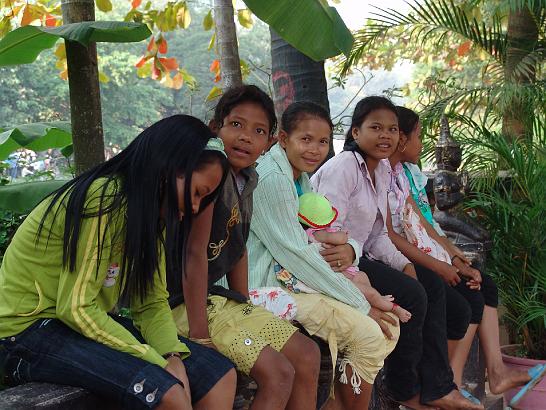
[358, 337]
[240, 331]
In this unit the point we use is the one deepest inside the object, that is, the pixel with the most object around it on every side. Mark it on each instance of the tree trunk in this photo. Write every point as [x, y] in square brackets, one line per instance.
[226, 39]
[296, 77]
[522, 36]
[83, 81]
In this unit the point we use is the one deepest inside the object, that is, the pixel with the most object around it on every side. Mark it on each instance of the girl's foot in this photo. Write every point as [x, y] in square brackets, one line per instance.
[402, 313]
[455, 401]
[505, 379]
[414, 404]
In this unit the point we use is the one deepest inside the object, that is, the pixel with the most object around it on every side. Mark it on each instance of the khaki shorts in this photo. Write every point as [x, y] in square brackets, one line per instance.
[240, 331]
[356, 336]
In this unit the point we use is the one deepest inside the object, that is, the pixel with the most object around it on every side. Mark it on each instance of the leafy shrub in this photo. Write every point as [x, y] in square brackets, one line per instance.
[514, 211]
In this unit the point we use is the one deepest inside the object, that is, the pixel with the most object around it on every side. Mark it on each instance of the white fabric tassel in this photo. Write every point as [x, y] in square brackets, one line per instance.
[356, 380]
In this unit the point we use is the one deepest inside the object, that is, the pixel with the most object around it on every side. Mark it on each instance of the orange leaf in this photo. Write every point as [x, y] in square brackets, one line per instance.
[151, 44]
[135, 3]
[162, 45]
[156, 72]
[50, 21]
[215, 66]
[142, 60]
[169, 63]
[28, 16]
[463, 48]
[217, 78]
[178, 81]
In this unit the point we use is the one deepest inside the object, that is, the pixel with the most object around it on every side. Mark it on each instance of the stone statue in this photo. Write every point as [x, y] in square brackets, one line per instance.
[449, 192]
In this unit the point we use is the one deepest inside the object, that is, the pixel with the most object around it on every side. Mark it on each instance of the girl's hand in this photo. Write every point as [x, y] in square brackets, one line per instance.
[449, 273]
[409, 270]
[381, 317]
[175, 366]
[472, 284]
[467, 271]
[339, 257]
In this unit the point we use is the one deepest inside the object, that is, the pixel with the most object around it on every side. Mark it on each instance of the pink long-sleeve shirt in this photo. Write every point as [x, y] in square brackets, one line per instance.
[362, 207]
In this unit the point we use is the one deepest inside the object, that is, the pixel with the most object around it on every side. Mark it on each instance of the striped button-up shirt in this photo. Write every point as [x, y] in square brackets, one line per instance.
[276, 235]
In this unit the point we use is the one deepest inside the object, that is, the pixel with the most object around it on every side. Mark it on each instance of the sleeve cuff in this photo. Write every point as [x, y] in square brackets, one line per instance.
[177, 346]
[358, 250]
[155, 358]
[401, 263]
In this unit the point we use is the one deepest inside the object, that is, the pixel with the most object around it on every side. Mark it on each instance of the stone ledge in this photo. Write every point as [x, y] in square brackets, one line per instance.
[50, 396]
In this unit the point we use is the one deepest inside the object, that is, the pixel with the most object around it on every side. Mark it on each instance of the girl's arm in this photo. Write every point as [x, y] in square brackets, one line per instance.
[445, 270]
[78, 308]
[238, 277]
[428, 227]
[195, 281]
[460, 262]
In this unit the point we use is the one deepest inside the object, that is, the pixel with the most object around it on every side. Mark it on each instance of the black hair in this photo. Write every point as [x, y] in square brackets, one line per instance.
[137, 183]
[363, 108]
[407, 120]
[300, 110]
[245, 94]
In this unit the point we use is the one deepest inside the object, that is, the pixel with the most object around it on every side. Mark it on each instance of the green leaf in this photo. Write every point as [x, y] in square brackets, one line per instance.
[103, 78]
[208, 21]
[23, 45]
[245, 18]
[312, 27]
[215, 92]
[212, 41]
[183, 16]
[67, 151]
[104, 5]
[21, 198]
[39, 136]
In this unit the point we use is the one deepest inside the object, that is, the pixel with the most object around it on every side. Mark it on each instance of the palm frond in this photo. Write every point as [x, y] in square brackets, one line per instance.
[429, 18]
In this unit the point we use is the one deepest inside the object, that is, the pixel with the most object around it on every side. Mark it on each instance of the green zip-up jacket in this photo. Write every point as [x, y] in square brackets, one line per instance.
[34, 285]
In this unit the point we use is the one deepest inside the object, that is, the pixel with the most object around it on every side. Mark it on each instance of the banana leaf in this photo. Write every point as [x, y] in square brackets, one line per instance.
[311, 26]
[23, 45]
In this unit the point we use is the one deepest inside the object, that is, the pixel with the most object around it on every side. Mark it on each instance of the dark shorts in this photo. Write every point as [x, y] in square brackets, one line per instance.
[49, 351]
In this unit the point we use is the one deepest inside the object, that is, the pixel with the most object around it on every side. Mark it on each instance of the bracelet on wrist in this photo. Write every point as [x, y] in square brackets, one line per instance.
[453, 258]
[201, 341]
[171, 354]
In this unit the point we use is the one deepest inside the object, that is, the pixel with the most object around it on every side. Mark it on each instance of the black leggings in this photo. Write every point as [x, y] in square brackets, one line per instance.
[488, 295]
[419, 363]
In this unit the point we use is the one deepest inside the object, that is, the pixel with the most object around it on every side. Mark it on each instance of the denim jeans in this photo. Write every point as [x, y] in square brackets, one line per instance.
[419, 363]
[49, 351]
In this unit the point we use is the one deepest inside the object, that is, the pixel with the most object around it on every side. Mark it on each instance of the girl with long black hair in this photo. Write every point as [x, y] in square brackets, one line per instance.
[110, 235]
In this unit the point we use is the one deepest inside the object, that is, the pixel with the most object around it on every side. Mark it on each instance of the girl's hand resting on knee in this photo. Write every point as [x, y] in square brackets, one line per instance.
[175, 366]
[449, 273]
[381, 317]
[466, 270]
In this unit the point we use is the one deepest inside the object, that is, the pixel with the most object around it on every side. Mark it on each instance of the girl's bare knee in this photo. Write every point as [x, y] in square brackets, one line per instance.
[306, 355]
[273, 371]
[175, 399]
